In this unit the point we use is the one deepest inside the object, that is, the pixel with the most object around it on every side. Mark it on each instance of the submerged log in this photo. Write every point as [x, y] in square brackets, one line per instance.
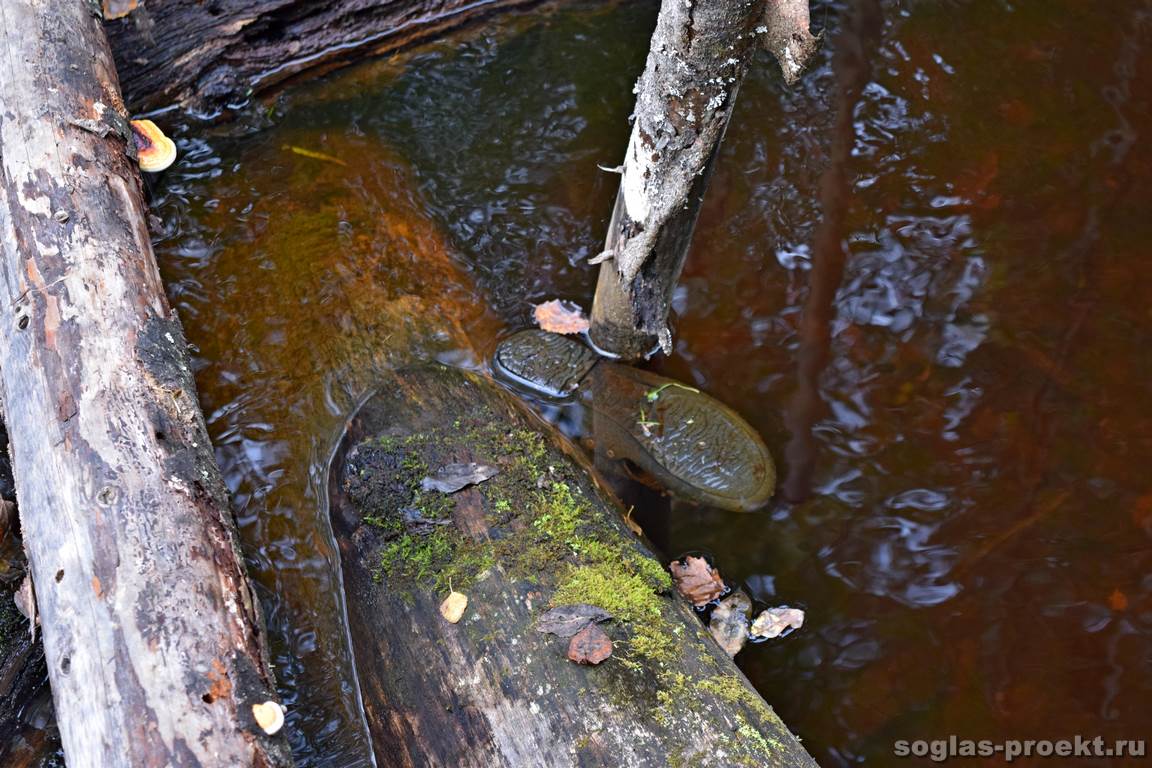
[492, 690]
[206, 56]
[153, 639]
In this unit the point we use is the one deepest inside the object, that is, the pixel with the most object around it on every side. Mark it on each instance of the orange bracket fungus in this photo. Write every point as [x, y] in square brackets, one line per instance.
[154, 150]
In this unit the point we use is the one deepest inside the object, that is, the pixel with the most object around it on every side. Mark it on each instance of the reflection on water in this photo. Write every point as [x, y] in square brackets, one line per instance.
[969, 509]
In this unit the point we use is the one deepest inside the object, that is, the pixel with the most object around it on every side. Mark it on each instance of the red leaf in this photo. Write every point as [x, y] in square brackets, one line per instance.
[590, 645]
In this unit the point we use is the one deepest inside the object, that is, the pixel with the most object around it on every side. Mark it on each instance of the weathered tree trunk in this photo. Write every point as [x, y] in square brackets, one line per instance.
[206, 56]
[697, 60]
[152, 636]
[492, 690]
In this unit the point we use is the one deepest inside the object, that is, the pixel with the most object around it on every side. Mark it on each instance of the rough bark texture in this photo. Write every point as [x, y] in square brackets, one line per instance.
[491, 690]
[698, 57]
[206, 55]
[152, 636]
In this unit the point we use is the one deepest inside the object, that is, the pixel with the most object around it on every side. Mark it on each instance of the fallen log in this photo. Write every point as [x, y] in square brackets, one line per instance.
[206, 56]
[153, 640]
[492, 690]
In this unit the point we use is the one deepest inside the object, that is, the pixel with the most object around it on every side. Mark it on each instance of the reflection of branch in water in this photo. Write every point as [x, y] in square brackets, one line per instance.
[852, 70]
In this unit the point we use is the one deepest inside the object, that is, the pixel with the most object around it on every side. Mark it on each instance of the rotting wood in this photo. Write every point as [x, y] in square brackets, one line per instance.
[698, 57]
[153, 639]
[491, 690]
[209, 56]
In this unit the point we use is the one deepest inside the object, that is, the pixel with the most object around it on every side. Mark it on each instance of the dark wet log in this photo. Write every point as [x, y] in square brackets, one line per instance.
[27, 733]
[698, 57]
[207, 55]
[152, 637]
[491, 690]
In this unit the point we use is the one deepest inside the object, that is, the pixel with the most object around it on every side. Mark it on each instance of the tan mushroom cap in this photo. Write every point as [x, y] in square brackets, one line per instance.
[154, 150]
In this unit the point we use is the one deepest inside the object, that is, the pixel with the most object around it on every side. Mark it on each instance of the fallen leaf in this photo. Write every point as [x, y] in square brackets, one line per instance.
[452, 477]
[269, 716]
[697, 580]
[775, 622]
[558, 316]
[567, 620]
[1118, 601]
[729, 622]
[452, 609]
[590, 645]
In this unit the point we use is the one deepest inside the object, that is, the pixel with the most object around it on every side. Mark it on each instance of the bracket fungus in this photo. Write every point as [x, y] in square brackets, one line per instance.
[154, 150]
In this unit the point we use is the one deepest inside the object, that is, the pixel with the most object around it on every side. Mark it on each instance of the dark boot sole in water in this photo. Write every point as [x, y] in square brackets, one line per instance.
[696, 446]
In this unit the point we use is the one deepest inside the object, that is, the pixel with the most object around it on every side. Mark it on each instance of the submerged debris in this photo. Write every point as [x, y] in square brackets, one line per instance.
[568, 620]
[452, 477]
[776, 622]
[313, 154]
[590, 645]
[729, 622]
[697, 580]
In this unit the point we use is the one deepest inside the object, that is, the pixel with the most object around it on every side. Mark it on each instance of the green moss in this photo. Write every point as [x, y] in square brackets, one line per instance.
[547, 528]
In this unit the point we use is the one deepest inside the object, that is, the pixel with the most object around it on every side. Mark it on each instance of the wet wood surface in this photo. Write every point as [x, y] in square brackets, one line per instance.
[491, 690]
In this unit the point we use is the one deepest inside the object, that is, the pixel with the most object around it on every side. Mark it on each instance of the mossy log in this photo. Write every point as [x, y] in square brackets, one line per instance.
[207, 56]
[492, 690]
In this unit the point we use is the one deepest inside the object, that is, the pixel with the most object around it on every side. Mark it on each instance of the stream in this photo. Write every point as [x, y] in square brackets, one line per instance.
[922, 274]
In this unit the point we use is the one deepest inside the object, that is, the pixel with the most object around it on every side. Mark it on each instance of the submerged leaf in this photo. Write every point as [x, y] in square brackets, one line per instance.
[590, 645]
[558, 316]
[452, 477]
[729, 622]
[453, 606]
[775, 622]
[697, 580]
[567, 620]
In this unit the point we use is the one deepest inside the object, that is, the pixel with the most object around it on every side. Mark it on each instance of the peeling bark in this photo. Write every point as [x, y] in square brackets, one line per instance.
[153, 639]
[698, 57]
[209, 55]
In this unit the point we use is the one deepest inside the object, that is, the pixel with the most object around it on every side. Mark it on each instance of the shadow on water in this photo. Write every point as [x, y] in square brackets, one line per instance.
[921, 274]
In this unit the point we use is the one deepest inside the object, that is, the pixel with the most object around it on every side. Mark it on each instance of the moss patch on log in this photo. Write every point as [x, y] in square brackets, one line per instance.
[541, 526]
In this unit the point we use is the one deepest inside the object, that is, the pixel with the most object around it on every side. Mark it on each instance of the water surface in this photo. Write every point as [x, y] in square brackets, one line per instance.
[922, 274]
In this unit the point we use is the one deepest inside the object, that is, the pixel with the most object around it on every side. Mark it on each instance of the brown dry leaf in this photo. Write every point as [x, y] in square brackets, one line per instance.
[590, 645]
[558, 316]
[452, 609]
[697, 580]
[567, 620]
[775, 622]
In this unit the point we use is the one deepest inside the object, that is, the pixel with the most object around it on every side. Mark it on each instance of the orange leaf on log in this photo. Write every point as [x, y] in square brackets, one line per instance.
[590, 645]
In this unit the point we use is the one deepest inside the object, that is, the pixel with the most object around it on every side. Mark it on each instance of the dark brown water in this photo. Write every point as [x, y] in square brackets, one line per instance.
[924, 275]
